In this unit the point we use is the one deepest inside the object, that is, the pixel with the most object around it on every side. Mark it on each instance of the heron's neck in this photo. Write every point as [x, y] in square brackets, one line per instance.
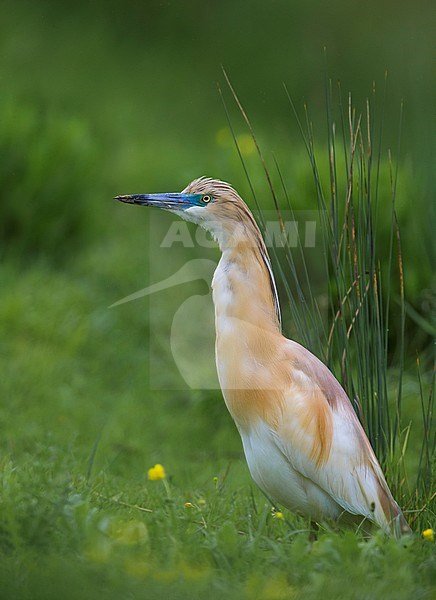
[243, 291]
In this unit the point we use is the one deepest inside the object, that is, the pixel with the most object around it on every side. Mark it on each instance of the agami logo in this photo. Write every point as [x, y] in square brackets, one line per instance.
[191, 325]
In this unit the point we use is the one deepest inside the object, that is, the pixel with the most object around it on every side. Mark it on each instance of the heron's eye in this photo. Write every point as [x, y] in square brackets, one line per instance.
[206, 199]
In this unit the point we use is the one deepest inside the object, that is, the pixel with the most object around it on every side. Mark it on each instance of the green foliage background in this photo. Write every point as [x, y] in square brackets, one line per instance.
[113, 97]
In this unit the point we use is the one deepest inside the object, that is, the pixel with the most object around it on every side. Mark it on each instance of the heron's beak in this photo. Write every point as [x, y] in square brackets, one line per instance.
[177, 201]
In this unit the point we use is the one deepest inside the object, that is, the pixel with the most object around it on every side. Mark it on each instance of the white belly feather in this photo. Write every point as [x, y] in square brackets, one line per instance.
[276, 477]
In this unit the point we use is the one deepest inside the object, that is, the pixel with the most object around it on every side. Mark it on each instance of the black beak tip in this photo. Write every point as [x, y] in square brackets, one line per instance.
[127, 199]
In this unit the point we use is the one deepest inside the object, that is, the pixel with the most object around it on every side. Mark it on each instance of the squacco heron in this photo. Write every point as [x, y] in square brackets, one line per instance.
[303, 442]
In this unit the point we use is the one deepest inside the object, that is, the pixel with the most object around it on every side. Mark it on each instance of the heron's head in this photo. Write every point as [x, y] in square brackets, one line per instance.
[210, 203]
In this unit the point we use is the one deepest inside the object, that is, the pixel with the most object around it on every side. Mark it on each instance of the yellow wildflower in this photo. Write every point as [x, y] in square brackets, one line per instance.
[156, 473]
[277, 514]
[428, 534]
[188, 505]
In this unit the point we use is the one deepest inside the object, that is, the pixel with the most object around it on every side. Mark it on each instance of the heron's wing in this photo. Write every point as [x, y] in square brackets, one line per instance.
[322, 438]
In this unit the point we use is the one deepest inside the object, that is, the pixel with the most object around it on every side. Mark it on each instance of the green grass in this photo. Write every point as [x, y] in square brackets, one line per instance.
[107, 537]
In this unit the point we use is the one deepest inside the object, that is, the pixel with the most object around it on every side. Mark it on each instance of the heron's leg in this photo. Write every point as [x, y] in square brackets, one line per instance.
[314, 527]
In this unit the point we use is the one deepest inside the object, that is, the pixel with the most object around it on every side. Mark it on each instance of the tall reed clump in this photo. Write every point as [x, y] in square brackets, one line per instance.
[366, 286]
